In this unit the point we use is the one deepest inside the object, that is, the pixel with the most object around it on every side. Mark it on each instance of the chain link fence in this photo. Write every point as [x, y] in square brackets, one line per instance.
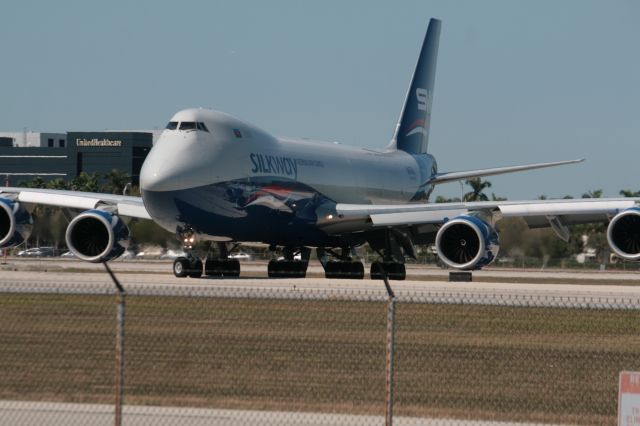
[232, 356]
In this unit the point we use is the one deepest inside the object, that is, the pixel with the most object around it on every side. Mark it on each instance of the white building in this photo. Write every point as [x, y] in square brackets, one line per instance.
[35, 139]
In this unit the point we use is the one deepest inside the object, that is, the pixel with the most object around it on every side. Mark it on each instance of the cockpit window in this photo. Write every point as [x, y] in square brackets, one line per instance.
[202, 127]
[172, 125]
[187, 125]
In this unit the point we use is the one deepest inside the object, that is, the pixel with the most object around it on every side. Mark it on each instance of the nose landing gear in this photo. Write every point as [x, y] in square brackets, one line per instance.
[187, 267]
[215, 265]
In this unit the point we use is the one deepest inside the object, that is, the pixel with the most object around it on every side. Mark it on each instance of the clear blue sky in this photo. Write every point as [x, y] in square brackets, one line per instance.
[517, 81]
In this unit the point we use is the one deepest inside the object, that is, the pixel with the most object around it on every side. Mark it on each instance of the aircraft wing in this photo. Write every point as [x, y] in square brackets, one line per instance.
[469, 174]
[537, 213]
[124, 205]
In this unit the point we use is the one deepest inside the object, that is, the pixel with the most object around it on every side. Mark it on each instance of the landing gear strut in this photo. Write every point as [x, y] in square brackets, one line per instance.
[392, 247]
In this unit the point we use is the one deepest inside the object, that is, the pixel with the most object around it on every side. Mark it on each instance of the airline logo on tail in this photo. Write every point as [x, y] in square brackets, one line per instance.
[417, 126]
[423, 103]
[424, 100]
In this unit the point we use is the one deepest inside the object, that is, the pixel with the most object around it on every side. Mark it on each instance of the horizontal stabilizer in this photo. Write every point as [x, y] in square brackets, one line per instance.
[455, 176]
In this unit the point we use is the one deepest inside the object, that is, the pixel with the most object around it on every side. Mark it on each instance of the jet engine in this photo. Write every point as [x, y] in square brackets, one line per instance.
[15, 223]
[97, 236]
[623, 234]
[466, 243]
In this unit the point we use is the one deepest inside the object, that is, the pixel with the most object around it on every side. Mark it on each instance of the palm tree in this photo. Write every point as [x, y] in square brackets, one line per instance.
[442, 199]
[58, 183]
[477, 186]
[629, 193]
[116, 181]
[36, 182]
[596, 193]
[86, 182]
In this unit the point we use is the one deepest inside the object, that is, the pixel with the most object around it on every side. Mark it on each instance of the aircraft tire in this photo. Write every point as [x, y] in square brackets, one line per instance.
[395, 271]
[287, 269]
[180, 267]
[231, 268]
[195, 269]
[344, 270]
[222, 268]
[212, 268]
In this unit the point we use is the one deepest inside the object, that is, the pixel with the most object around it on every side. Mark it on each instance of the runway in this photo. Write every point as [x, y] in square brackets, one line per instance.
[489, 287]
[29, 413]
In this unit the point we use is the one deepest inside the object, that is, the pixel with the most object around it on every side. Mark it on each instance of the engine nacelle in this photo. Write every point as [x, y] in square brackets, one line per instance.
[623, 234]
[466, 243]
[97, 236]
[15, 223]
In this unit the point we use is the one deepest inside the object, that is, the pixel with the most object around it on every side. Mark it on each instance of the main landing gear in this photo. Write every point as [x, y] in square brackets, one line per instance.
[341, 265]
[222, 268]
[289, 267]
[394, 270]
[219, 264]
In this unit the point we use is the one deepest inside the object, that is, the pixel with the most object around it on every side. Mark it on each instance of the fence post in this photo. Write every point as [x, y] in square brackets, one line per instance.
[391, 348]
[119, 371]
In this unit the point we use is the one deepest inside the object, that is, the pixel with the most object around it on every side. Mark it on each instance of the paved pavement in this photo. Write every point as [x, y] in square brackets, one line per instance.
[553, 293]
[27, 413]
[258, 269]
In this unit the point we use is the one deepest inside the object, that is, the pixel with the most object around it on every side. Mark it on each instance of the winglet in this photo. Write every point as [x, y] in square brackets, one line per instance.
[454, 176]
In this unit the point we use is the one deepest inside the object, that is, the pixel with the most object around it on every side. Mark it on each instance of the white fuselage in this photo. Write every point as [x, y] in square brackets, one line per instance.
[231, 153]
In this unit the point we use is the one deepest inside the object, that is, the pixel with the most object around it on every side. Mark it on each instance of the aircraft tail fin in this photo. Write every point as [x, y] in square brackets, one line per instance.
[412, 131]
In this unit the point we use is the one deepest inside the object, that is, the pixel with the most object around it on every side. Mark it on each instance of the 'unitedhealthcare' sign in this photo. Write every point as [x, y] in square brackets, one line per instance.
[98, 142]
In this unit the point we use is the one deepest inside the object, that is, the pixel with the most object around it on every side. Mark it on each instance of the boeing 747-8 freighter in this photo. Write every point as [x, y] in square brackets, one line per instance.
[211, 176]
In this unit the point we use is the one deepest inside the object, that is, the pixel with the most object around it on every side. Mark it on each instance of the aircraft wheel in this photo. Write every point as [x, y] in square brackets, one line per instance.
[196, 269]
[394, 270]
[287, 269]
[231, 268]
[344, 269]
[356, 270]
[332, 269]
[222, 268]
[180, 267]
[398, 272]
[213, 268]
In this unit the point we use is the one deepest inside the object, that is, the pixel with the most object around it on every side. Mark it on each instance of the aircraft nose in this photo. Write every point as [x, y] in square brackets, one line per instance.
[156, 174]
[174, 163]
[152, 179]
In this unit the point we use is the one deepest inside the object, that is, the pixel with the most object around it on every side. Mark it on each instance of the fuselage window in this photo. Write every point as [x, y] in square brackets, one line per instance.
[187, 125]
[202, 127]
[172, 125]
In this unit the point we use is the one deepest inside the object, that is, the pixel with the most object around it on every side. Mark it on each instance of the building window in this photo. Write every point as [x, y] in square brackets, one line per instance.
[62, 143]
[50, 143]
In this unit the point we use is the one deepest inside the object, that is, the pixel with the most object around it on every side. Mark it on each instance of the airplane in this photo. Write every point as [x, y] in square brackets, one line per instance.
[213, 177]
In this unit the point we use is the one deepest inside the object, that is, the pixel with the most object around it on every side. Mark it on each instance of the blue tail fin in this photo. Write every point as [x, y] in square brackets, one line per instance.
[412, 130]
